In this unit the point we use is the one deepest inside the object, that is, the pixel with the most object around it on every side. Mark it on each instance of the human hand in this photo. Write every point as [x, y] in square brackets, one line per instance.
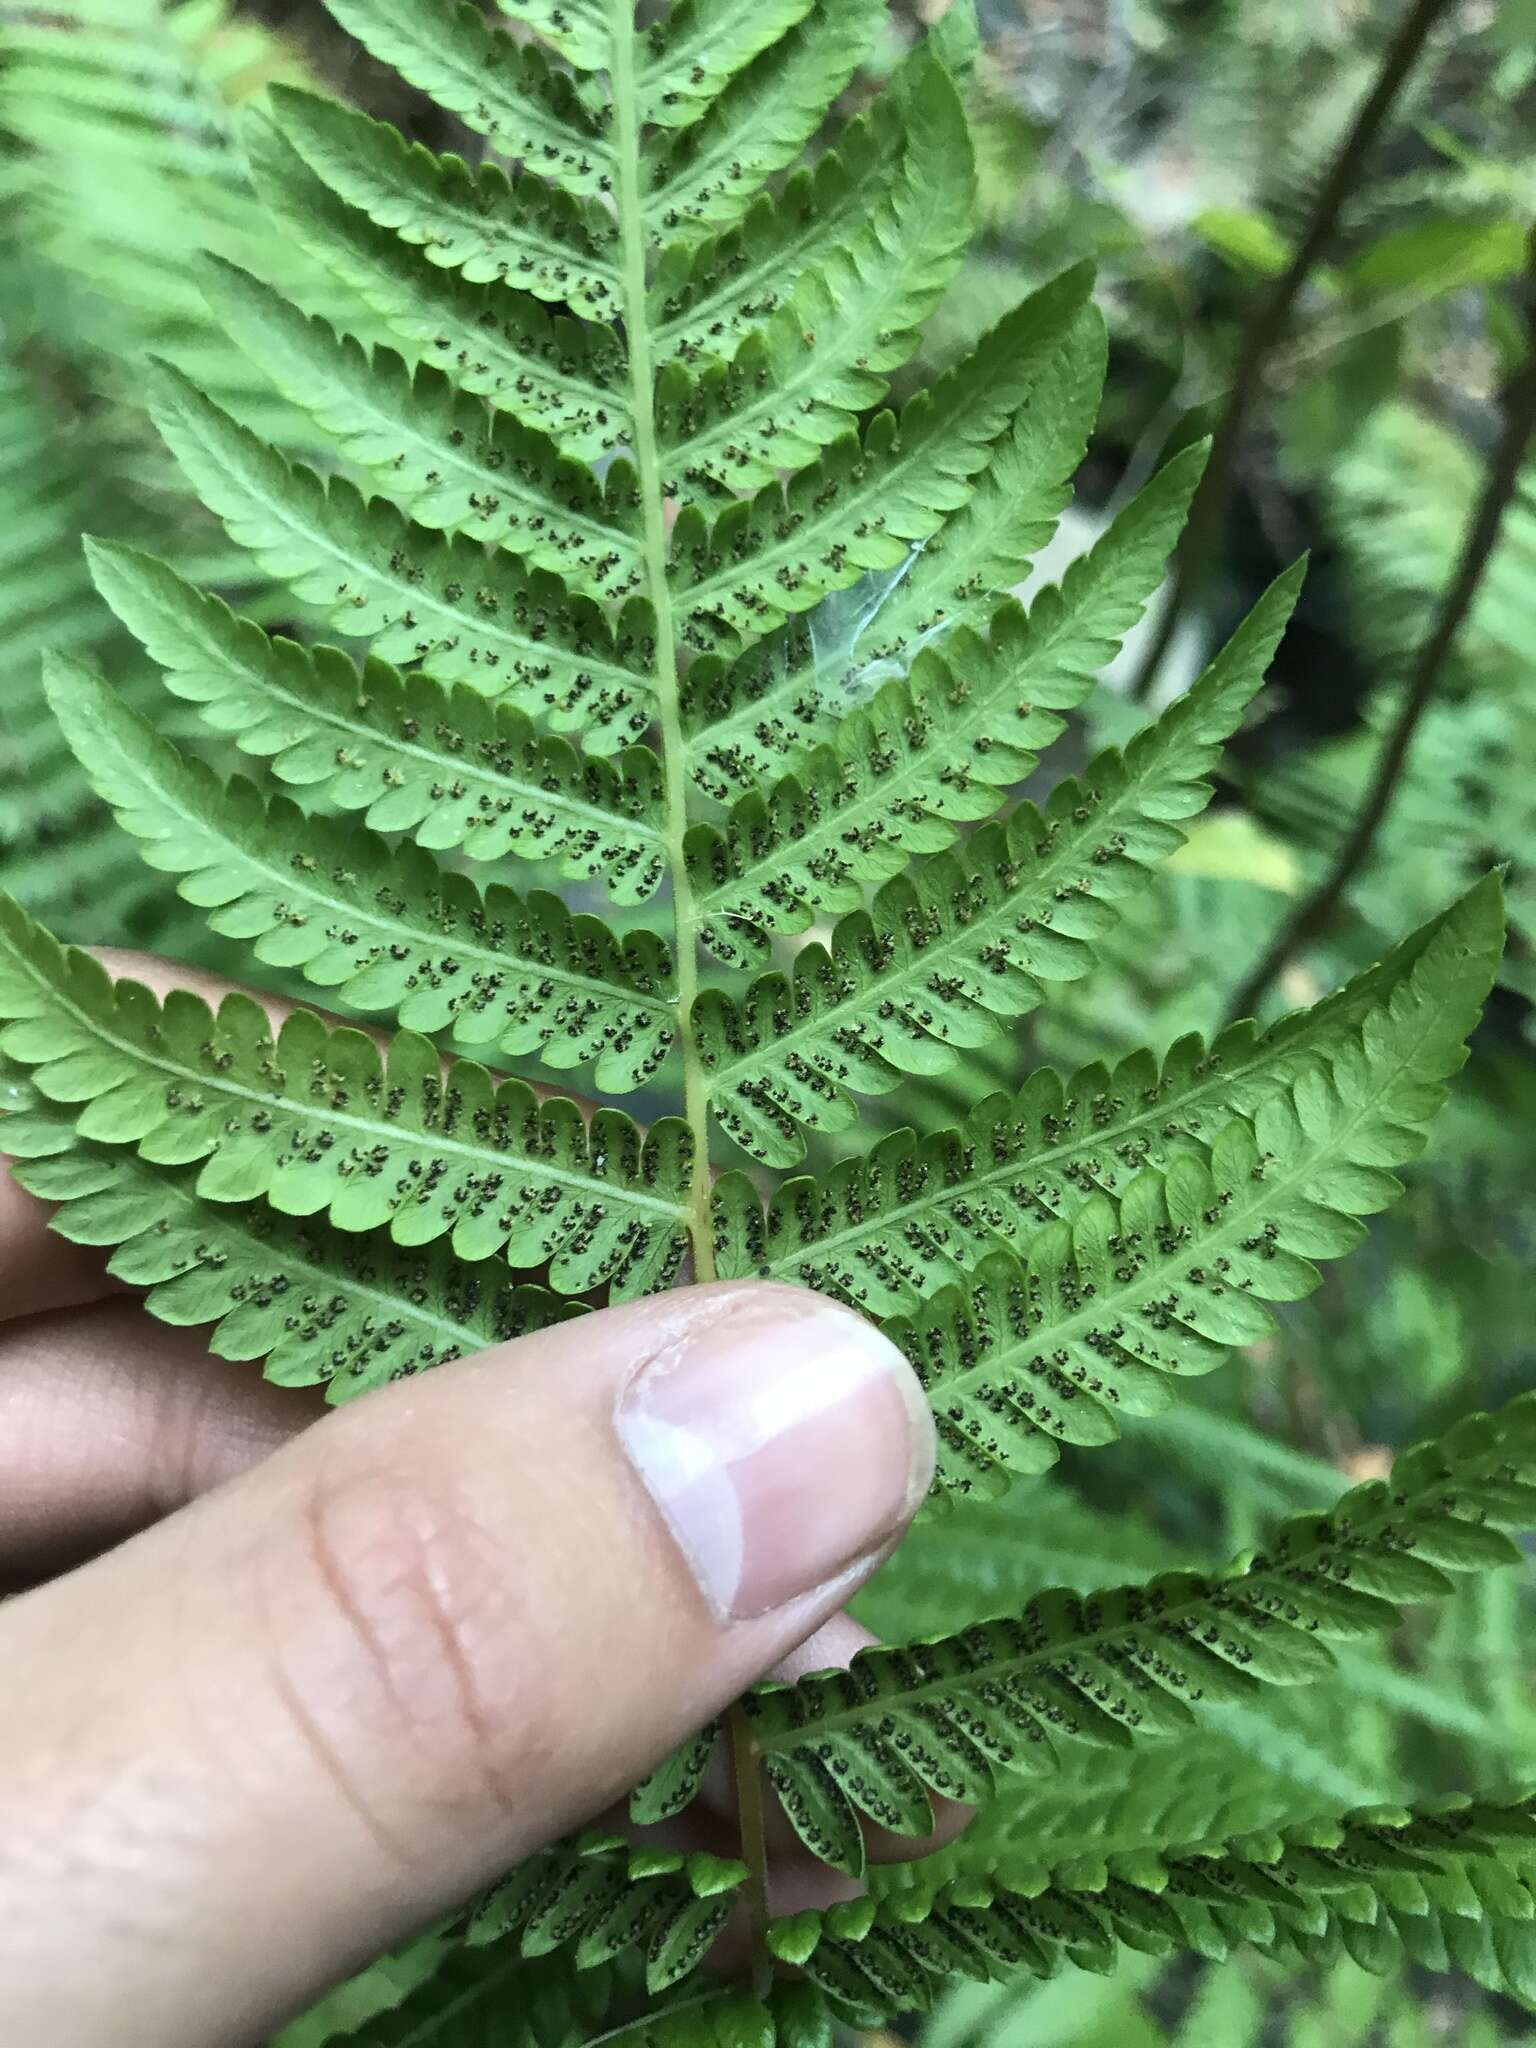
[320, 1676]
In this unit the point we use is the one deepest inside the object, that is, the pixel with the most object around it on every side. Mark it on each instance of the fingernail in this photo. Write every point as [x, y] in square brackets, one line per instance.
[784, 1440]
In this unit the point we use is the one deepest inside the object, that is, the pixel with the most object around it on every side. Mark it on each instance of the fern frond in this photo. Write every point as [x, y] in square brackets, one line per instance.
[948, 1715]
[316, 1306]
[970, 937]
[446, 766]
[914, 1214]
[315, 1119]
[388, 930]
[1452, 1885]
[1092, 1319]
[436, 598]
[474, 219]
[616, 405]
[441, 457]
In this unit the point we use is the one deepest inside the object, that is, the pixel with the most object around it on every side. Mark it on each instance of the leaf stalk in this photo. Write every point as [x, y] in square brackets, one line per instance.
[746, 1768]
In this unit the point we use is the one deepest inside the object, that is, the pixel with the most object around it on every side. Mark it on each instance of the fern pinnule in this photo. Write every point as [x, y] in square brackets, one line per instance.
[550, 371]
[448, 766]
[797, 380]
[507, 90]
[912, 1214]
[469, 218]
[440, 456]
[749, 718]
[939, 745]
[421, 596]
[318, 1307]
[867, 498]
[315, 1119]
[953, 1714]
[1097, 1314]
[972, 936]
[389, 930]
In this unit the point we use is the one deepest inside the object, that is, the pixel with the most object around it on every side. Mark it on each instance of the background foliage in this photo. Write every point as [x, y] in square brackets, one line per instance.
[1177, 145]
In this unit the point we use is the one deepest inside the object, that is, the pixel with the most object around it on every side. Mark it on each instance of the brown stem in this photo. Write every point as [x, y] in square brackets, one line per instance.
[1267, 328]
[746, 1767]
[1311, 915]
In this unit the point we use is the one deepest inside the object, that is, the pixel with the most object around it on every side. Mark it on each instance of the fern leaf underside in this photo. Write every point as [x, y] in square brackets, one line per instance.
[645, 588]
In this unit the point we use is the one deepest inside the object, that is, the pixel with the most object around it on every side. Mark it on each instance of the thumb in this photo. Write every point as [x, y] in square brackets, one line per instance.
[261, 1742]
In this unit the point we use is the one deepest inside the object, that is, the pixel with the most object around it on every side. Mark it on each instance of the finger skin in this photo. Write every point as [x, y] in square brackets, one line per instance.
[267, 1738]
[160, 976]
[38, 1269]
[109, 1420]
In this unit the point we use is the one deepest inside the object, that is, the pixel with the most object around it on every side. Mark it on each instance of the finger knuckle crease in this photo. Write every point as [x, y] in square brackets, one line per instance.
[409, 1571]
